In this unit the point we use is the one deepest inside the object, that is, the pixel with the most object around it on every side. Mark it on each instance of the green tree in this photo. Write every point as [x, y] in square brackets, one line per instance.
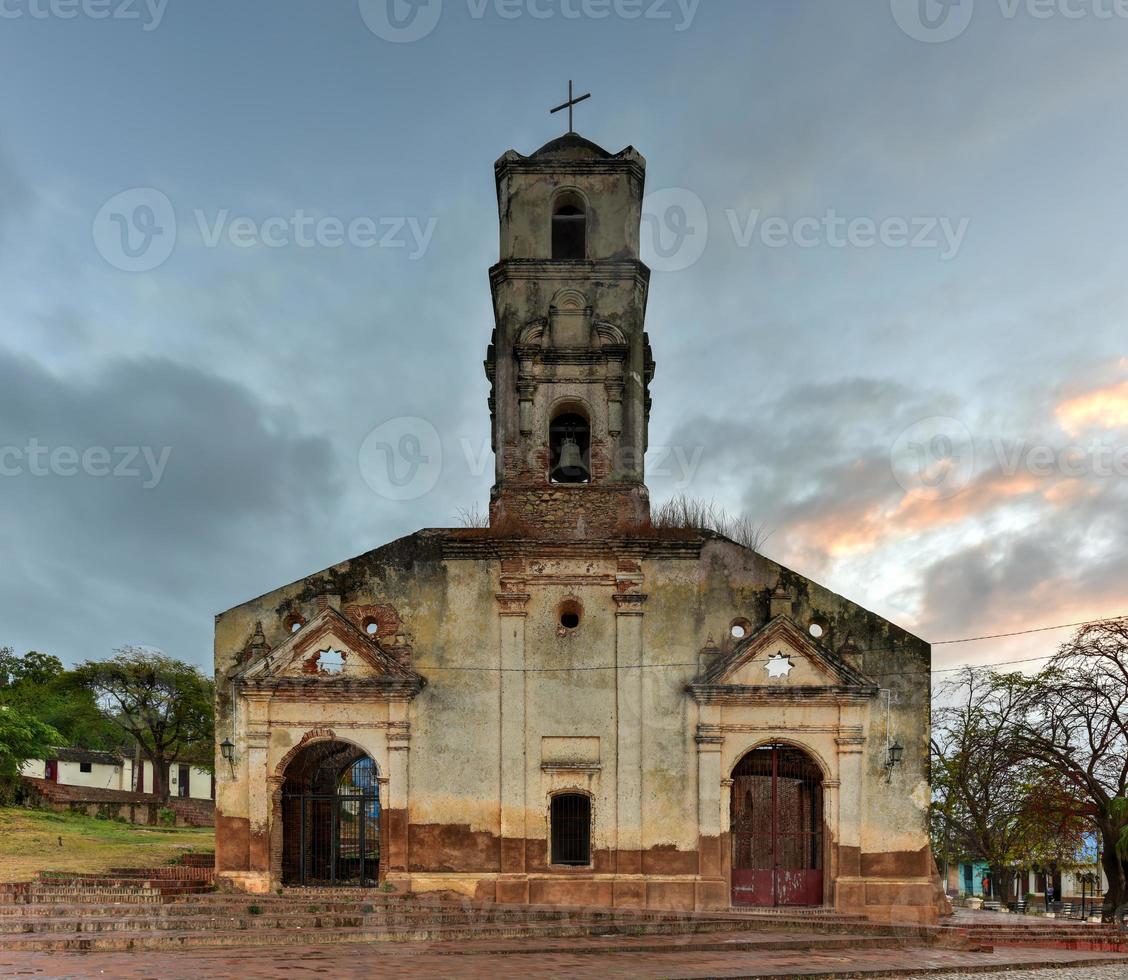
[163, 704]
[22, 737]
[39, 686]
[32, 668]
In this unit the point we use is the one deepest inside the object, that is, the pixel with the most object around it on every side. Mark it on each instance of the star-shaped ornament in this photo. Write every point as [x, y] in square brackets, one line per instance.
[778, 665]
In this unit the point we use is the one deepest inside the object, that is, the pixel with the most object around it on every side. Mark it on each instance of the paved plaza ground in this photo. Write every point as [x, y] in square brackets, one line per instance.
[498, 960]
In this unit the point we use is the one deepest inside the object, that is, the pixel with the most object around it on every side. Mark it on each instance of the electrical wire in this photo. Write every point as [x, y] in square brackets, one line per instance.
[938, 670]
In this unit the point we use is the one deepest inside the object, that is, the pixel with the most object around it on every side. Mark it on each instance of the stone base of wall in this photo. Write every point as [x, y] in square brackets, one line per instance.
[245, 882]
[910, 901]
[904, 900]
[672, 892]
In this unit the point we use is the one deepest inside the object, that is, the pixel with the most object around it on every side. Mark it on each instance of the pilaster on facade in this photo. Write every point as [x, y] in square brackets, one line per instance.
[629, 711]
[512, 599]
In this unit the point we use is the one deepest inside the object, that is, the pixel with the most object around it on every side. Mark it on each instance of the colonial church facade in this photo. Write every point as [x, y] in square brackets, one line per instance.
[573, 706]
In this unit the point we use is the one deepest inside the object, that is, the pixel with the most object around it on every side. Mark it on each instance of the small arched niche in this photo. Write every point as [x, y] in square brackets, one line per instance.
[569, 226]
[569, 443]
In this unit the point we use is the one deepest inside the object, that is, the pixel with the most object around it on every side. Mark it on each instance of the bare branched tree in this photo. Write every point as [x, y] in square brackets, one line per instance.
[992, 801]
[1075, 721]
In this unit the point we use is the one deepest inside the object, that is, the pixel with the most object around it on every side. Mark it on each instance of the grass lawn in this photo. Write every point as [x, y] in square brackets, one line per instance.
[30, 843]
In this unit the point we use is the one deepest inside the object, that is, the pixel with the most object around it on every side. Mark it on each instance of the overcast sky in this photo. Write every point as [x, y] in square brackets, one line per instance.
[888, 305]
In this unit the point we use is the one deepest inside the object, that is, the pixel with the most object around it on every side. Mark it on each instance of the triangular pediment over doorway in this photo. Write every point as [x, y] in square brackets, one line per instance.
[780, 661]
[330, 651]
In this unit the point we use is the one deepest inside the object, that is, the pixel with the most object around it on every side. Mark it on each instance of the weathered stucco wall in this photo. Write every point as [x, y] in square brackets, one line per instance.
[469, 765]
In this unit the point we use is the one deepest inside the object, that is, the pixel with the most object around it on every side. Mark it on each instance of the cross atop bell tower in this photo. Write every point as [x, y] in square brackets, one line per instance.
[569, 105]
[569, 362]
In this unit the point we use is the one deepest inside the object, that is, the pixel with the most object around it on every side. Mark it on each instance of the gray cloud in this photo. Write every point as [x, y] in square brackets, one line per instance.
[105, 560]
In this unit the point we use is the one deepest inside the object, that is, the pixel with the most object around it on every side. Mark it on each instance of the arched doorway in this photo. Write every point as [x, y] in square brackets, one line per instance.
[777, 828]
[331, 817]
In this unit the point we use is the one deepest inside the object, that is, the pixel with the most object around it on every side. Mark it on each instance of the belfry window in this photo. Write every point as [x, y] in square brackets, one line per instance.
[569, 232]
[570, 821]
[569, 443]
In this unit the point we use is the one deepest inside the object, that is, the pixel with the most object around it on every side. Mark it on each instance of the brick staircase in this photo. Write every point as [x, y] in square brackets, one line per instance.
[1044, 935]
[193, 875]
[174, 907]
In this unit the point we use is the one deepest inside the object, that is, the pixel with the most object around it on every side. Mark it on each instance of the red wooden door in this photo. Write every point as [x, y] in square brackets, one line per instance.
[51, 771]
[776, 829]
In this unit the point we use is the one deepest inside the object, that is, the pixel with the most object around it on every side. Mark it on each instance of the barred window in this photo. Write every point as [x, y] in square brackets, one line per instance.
[571, 829]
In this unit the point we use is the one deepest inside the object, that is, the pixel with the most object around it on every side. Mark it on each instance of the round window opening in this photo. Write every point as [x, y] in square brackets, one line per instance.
[740, 628]
[371, 627]
[570, 614]
[294, 622]
[816, 630]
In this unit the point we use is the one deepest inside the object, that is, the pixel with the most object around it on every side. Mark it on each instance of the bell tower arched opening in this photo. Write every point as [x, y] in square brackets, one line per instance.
[331, 817]
[569, 227]
[569, 443]
[776, 827]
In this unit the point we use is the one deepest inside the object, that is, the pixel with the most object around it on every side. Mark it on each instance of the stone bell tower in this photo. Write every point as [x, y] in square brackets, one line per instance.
[569, 362]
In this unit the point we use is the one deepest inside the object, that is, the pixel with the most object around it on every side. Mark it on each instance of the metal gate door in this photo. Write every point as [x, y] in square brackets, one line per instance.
[336, 840]
[331, 818]
[776, 828]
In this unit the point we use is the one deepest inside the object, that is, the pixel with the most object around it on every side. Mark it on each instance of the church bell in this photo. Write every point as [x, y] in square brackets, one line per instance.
[571, 467]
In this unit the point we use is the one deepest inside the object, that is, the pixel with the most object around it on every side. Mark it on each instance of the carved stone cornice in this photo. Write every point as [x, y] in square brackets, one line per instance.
[351, 690]
[549, 270]
[512, 603]
[764, 694]
[850, 744]
[629, 603]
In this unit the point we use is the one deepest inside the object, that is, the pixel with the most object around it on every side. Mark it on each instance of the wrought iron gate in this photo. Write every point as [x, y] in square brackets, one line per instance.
[331, 819]
[776, 828]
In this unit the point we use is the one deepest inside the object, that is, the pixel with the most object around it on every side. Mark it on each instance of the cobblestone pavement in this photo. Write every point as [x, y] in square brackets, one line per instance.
[357, 960]
[1075, 973]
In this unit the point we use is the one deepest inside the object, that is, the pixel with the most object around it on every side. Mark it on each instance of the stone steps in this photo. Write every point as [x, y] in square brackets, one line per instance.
[308, 922]
[150, 940]
[91, 913]
[1103, 938]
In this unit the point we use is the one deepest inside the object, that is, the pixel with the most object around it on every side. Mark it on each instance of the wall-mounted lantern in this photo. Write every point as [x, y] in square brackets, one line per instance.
[227, 750]
[893, 759]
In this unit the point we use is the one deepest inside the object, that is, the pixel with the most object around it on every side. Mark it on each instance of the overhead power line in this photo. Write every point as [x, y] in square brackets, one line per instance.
[937, 670]
[1039, 629]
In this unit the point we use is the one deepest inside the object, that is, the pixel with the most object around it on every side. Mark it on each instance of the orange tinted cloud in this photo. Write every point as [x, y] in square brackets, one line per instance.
[864, 527]
[1102, 408]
